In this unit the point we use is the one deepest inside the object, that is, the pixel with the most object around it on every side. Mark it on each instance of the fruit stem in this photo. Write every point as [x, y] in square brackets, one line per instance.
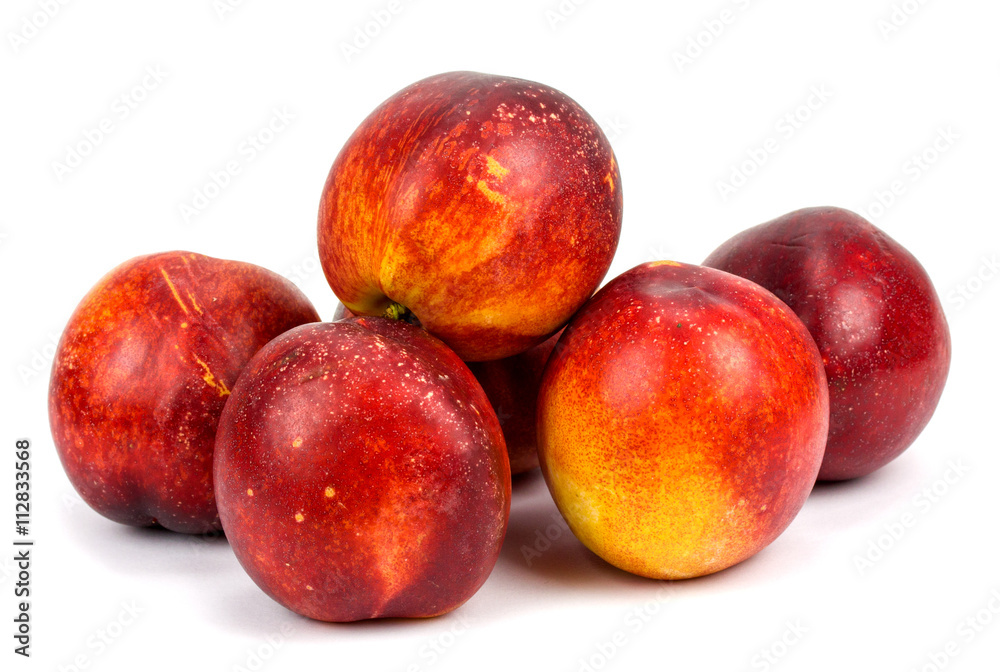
[397, 311]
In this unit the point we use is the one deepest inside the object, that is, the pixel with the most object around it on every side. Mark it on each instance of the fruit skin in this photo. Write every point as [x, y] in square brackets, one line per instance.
[511, 384]
[142, 372]
[681, 419]
[489, 207]
[361, 472]
[875, 316]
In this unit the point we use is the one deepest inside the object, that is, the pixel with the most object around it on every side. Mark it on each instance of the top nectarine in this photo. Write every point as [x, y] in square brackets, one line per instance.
[487, 208]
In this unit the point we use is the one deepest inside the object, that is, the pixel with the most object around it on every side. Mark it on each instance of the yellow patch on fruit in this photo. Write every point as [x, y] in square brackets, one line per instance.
[211, 380]
[650, 497]
[174, 291]
[194, 303]
[494, 196]
[494, 168]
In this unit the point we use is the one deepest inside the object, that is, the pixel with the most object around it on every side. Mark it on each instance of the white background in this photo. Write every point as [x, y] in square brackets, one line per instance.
[678, 130]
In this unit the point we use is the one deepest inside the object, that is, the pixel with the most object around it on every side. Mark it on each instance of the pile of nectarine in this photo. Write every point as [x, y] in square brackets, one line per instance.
[361, 468]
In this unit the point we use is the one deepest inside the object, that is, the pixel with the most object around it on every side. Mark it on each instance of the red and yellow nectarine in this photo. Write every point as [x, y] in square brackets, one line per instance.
[681, 420]
[487, 207]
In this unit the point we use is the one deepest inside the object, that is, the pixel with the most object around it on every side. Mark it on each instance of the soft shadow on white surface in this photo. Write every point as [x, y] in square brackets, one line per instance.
[143, 551]
[540, 547]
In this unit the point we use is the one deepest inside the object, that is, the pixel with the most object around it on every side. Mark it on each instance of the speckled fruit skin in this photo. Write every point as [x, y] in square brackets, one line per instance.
[681, 420]
[141, 375]
[511, 384]
[875, 316]
[489, 207]
[361, 472]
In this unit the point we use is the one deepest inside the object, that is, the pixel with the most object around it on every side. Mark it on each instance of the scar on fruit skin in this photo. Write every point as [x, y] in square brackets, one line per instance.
[211, 380]
[173, 290]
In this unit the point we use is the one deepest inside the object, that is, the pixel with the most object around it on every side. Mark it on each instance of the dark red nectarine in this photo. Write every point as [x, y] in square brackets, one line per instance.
[875, 316]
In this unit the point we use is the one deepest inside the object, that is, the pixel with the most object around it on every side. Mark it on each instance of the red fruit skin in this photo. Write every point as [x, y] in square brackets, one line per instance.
[341, 312]
[512, 384]
[489, 206]
[142, 372]
[361, 473]
[681, 420]
[875, 316]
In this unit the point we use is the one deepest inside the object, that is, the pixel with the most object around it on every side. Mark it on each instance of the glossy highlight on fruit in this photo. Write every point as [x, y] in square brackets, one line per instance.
[142, 372]
[682, 418]
[361, 472]
[875, 316]
[487, 207]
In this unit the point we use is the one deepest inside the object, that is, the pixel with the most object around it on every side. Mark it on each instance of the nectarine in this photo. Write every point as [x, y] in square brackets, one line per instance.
[487, 207]
[142, 372]
[681, 420]
[875, 316]
[361, 472]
